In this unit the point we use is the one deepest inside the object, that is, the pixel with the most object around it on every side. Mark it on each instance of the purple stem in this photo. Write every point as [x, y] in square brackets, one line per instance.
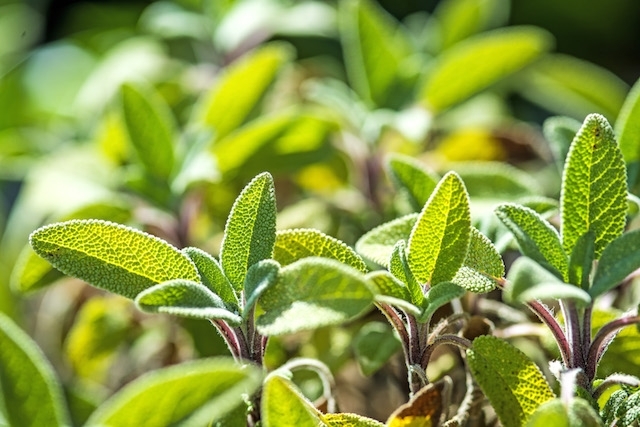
[396, 322]
[545, 315]
[230, 338]
[586, 332]
[450, 339]
[414, 339]
[574, 335]
[602, 340]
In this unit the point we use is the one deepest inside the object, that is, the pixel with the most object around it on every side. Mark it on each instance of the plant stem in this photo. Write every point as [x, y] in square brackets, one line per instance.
[396, 322]
[443, 339]
[230, 337]
[545, 315]
[573, 333]
[602, 340]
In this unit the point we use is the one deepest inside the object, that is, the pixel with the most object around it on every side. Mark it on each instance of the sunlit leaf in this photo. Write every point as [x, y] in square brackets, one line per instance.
[577, 413]
[482, 266]
[111, 256]
[260, 277]
[459, 19]
[212, 276]
[438, 296]
[594, 188]
[350, 420]
[31, 393]
[387, 284]
[283, 404]
[400, 269]
[479, 62]
[413, 178]
[311, 293]
[377, 244]
[292, 245]
[195, 392]
[250, 232]
[440, 238]
[619, 259]
[512, 382]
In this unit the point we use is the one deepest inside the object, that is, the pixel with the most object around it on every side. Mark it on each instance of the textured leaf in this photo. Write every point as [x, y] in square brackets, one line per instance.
[423, 410]
[376, 50]
[350, 420]
[241, 87]
[31, 393]
[483, 261]
[194, 392]
[212, 276]
[282, 404]
[413, 178]
[459, 19]
[260, 277]
[150, 127]
[399, 268]
[512, 382]
[628, 125]
[530, 281]
[293, 245]
[594, 188]
[311, 293]
[111, 256]
[581, 261]
[250, 233]
[479, 62]
[618, 260]
[387, 284]
[473, 281]
[560, 131]
[373, 345]
[438, 296]
[377, 244]
[578, 413]
[186, 299]
[537, 238]
[440, 238]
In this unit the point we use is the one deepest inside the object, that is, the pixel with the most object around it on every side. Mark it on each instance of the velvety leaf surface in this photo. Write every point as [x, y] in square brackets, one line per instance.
[618, 260]
[578, 413]
[212, 276]
[480, 61]
[536, 238]
[260, 277]
[440, 238]
[628, 125]
[31, 393]
[241, 87]
[412, 177]
[399, 268]
[150, 127]
[377, 244]
[187, 299]
[195, 392]
[350, 420]
[594, 187]
[111, 256]
[293, 245]
[283, 404]
[387, 284]
[250, 232]
[512, 382]
[438, 296]
[373, 345]
[482, 266]
[311, 293]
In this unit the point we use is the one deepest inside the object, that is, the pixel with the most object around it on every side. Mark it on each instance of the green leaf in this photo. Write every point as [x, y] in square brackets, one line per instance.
[496, 180]
[618, 260]
[293, 245]
[260, 277]
[373, 345]
[111, 256]
[459, 19]
[412, 177]
[194, 393]
[473, 281]
[311, 293]
[536, 238]
[512, 382]
[594, 187]
[479, 62]
[399, 268]
[482, 266]
[151, 128]
[212, 276]
[581, 261]
[377, 244]
[560, 131]
[241, 87]
[528, 281]
[185, 298]
[282, 404]
[387, 284]
[250, 232]
[439, 240]
[350, 420]
[31, 393]
[31, 272]
[628, 125]
[376, 52]
[623, 353]
[555, 412]
[438, 296]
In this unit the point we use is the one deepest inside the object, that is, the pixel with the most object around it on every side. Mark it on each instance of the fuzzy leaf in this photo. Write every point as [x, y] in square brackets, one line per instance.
[577, 413]
[212, 276]
[479, 62]
[260, 277]
[628, 125]
[581, 261]
[473, 281]
[376, 51]
[31, 393]
[186, 299]
[413, 178]
[537, 238]
[618, 260]
[530, 281]
[594, 187]
[377, 244]
[194, 393]
[387, 284]
[250, 232]
[350, 420]
[439, 240]
[399, 268]
[560, 131]
[373, 345]
[311, 293]
[111, 256]
[150, 127]
[482, 266]
[512, 382]
[282, 404]
[241, 88]
[292, 245]
[438, 296]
